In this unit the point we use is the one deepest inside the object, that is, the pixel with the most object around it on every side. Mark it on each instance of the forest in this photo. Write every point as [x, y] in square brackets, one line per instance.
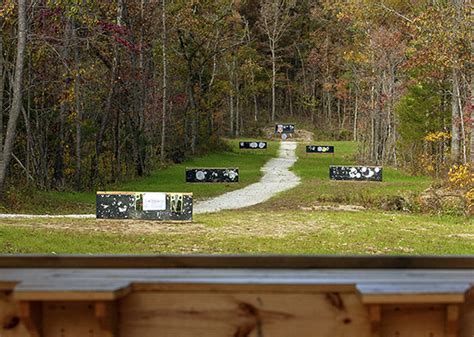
[94, 92]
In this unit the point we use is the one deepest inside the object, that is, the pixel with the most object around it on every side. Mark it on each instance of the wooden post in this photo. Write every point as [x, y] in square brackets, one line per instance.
[375, 319]
[452, 320]
[31, 316]
[106, 314]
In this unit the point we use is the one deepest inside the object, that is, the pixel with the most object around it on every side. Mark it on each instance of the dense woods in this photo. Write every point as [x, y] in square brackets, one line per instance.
[92, 92]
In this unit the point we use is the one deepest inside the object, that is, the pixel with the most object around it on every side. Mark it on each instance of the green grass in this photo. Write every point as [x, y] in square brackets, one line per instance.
[290, 232]
[316, 187]
[171, 179]
[289, 223]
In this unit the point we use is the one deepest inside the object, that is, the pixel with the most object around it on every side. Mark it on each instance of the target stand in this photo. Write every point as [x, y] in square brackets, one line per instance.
[212, 175]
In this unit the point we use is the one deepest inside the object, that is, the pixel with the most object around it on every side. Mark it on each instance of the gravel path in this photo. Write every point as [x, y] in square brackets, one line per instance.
[276, 178]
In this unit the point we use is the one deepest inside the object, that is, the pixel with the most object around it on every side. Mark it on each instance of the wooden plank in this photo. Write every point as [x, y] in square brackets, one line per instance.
[107, 315]
[369, 281]
[70, 319]
[31, 316]
[10, 321]
[248, 288]
[135, 193]
[413, 320]
[467, 316]
[71, 289]
[237, 261]
[375, 319]
[420, 292]
[452, 320]
[68, 295]
[242, 314]
[413, 299]
[7, 285]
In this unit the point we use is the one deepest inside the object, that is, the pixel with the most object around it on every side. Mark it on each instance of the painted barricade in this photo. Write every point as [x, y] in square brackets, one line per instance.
[257, 145]
[319, 149]
[212, 175]
[362, 173]
[284, 128]
[144, 205]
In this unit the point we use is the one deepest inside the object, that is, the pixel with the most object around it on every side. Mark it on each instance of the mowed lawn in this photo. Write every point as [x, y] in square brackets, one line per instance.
[171, 179]
[293, 222]
[317, 188]
[248, 231]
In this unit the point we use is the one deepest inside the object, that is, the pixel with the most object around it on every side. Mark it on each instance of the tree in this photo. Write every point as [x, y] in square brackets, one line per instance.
[165, 74]
[6, 154]
[275, 18]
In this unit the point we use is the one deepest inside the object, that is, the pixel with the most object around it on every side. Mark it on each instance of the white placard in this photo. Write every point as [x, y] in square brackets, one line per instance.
[155, 201]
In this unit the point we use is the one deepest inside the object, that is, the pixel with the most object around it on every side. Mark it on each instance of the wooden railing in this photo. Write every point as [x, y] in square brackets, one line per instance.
[254, 296]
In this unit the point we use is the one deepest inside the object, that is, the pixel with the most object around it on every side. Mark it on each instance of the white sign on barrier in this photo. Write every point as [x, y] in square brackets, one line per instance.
[154, 201]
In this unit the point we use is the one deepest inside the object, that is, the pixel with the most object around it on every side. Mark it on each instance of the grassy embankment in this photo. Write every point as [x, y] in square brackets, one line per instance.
[285, 224]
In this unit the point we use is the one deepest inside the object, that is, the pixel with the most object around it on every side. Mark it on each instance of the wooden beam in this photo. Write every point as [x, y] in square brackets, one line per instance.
[106, 314]
[247, 288]
[39, 294]
[7, 285]
[237, 261]
[426, 292]
[452, 320]
[31, 316]
[412, 298]
[375, 319]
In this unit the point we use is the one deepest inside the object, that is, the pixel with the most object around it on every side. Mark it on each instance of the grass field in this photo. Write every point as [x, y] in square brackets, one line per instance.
[291, 232]
[314, 218]
[316, 188]
[170, 179]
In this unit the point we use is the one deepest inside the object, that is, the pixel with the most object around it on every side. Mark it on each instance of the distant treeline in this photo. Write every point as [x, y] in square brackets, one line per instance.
[95, 91]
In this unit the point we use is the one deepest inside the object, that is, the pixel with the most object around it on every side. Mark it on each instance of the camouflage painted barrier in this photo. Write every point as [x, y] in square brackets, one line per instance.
[144, 205]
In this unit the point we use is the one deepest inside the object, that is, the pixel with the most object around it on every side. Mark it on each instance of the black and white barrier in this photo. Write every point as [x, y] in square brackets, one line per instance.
[253, 145]
[212, 175]
[284, 128]
[363, 173]
[319, 149]
[145, 206]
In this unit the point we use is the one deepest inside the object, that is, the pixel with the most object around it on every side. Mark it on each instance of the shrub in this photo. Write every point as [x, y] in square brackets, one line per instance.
[461, 178]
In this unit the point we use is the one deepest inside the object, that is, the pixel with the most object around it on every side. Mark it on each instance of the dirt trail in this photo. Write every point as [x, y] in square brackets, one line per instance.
[276, 178]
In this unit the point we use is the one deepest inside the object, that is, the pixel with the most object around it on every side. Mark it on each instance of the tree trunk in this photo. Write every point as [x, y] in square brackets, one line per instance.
[356, 108]
[273, 82]
[17, 95]
[2, 85]
[78, 108]
[472, 112]
[303, 71]
[58, 174]
[140, 99]
[164, 98]
[237, 113]
[463, 129]
[455, 139]
[329, 110]
[255, 106]
[455, 108]
[290, 99]
[193, 113]
[231, 106]
[108, 104]
[117, 153]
